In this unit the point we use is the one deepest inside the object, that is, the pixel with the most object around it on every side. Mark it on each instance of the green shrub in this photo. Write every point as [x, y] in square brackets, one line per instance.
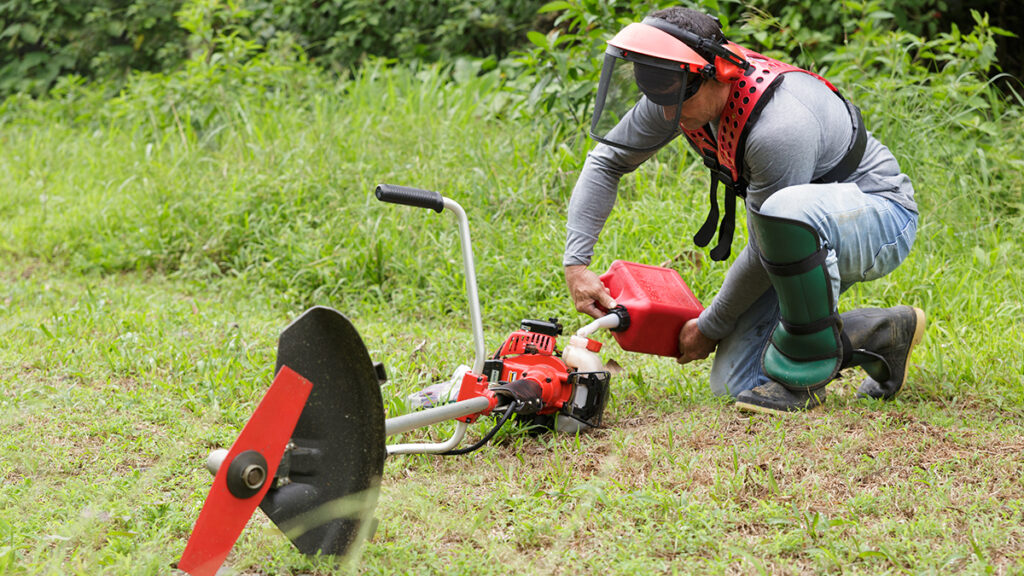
[43, 40]
[556, 78]
[341, 33]
[40, 41]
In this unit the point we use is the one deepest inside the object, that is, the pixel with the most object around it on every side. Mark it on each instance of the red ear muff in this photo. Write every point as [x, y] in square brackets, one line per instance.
[726, 70]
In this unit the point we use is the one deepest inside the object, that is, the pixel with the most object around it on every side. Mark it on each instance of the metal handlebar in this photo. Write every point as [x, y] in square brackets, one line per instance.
[410, 196]
[435, 201]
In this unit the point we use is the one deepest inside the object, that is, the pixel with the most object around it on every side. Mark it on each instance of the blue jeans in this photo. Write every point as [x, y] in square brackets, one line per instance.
[867, 237]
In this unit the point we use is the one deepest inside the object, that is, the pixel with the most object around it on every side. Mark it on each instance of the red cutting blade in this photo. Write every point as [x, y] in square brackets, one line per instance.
[223, 515]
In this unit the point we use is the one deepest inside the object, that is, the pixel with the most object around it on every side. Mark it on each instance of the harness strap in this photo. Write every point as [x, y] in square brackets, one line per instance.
[707, 230]
[721, 250]
[728, 224]
[851, 160]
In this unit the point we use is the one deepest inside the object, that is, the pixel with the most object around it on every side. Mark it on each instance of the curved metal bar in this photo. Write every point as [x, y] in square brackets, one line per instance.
[471, 291]
[460, 433]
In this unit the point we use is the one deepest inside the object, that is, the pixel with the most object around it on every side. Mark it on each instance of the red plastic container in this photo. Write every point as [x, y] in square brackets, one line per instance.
[658, 302]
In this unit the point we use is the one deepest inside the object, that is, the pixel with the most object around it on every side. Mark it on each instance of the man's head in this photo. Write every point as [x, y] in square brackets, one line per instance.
[670, 57]
[699, 111]
[656, 83]
[694, 21]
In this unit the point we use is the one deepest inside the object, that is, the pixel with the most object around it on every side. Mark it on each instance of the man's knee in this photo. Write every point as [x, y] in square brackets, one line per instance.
[799, 203]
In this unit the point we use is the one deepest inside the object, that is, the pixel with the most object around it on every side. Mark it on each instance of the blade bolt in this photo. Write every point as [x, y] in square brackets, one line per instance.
[246, 474]
[253, 476]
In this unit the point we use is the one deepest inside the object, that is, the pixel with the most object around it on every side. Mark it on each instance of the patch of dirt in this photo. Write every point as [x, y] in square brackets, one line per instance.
[873, 466]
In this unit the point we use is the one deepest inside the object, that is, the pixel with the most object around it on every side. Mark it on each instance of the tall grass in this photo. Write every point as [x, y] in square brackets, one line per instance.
[275, 185]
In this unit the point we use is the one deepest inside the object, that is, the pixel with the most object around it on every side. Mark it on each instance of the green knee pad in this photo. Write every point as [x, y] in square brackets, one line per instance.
[806, 350]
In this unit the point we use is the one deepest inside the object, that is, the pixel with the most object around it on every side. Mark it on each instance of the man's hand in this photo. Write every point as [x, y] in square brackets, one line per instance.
[587, 291]
[693, 345]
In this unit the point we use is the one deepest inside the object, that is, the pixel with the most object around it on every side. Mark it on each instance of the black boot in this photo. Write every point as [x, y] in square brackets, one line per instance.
[882, 340]
[774, 398]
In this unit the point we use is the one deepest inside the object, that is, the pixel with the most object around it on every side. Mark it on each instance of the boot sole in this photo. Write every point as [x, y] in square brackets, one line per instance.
[744, 407]
[922, 320]
[747, 407]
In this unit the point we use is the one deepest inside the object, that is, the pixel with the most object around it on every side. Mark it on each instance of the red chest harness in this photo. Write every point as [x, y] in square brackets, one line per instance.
[723, 153]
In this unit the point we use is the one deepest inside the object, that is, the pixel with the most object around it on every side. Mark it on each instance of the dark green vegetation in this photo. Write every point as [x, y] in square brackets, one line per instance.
[155, 243]
[42, 41]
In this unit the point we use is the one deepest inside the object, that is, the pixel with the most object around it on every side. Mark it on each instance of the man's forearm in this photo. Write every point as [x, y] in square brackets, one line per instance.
[592, 200]
[745, 282]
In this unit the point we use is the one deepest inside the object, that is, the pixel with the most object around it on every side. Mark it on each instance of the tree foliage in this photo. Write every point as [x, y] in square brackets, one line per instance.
[43, 40]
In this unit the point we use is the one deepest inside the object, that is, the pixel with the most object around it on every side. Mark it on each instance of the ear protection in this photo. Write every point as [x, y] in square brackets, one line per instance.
[726, 66]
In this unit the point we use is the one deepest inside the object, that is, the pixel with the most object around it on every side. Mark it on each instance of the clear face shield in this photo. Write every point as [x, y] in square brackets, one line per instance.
[651, 89]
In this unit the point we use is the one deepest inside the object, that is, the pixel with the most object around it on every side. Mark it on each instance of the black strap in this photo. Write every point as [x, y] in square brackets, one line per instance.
[725, 231]
[851, 161]
[799, 267]
[707, 230]
[836, 355]
[728, 225]
[847, 349]
[810, 327]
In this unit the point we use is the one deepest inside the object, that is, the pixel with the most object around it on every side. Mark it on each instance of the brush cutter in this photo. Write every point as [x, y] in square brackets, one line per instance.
[312, 455]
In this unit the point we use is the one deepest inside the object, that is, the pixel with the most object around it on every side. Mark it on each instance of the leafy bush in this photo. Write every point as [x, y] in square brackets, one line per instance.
[557, 76]
[43, 40]
[109, 38]
[341, 33]
[106, 39]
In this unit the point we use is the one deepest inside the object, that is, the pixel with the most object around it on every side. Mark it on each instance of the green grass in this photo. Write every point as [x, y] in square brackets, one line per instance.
[155, 245]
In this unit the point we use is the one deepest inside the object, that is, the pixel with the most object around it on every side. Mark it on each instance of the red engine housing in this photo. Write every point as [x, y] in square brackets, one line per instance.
[531, 353]
[528, 353]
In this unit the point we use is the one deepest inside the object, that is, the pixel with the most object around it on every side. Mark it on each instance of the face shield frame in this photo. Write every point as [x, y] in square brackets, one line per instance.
[691, 76]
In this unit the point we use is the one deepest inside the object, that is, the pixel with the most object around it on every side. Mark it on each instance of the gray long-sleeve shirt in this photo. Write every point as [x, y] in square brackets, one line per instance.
[801, 133]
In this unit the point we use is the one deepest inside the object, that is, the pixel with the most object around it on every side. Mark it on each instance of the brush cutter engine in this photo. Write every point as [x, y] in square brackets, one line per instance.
[529, 374]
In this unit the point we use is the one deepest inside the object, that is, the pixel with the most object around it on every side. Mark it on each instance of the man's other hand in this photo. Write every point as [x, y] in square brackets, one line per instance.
[693, 345]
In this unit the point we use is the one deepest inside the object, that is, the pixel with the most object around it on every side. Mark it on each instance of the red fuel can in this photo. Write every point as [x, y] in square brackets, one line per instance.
[658, 302]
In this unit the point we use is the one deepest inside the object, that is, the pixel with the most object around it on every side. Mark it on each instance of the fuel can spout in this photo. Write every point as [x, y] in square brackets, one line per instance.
[616, 320]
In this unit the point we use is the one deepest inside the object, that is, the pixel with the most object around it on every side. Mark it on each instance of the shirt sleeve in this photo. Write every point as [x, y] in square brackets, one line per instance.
[596, 189]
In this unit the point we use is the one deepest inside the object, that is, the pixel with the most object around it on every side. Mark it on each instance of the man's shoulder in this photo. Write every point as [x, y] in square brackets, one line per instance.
[802, 90]
[790, 111]
[800, 104]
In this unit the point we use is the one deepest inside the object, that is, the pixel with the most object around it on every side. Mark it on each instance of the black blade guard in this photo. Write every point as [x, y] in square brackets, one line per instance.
[331, 471]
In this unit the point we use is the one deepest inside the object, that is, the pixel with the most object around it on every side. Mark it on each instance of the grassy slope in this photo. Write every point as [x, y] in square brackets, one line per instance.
[152, 253]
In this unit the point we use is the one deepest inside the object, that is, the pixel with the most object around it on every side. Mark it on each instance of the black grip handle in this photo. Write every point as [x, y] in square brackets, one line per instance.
[410, 196]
